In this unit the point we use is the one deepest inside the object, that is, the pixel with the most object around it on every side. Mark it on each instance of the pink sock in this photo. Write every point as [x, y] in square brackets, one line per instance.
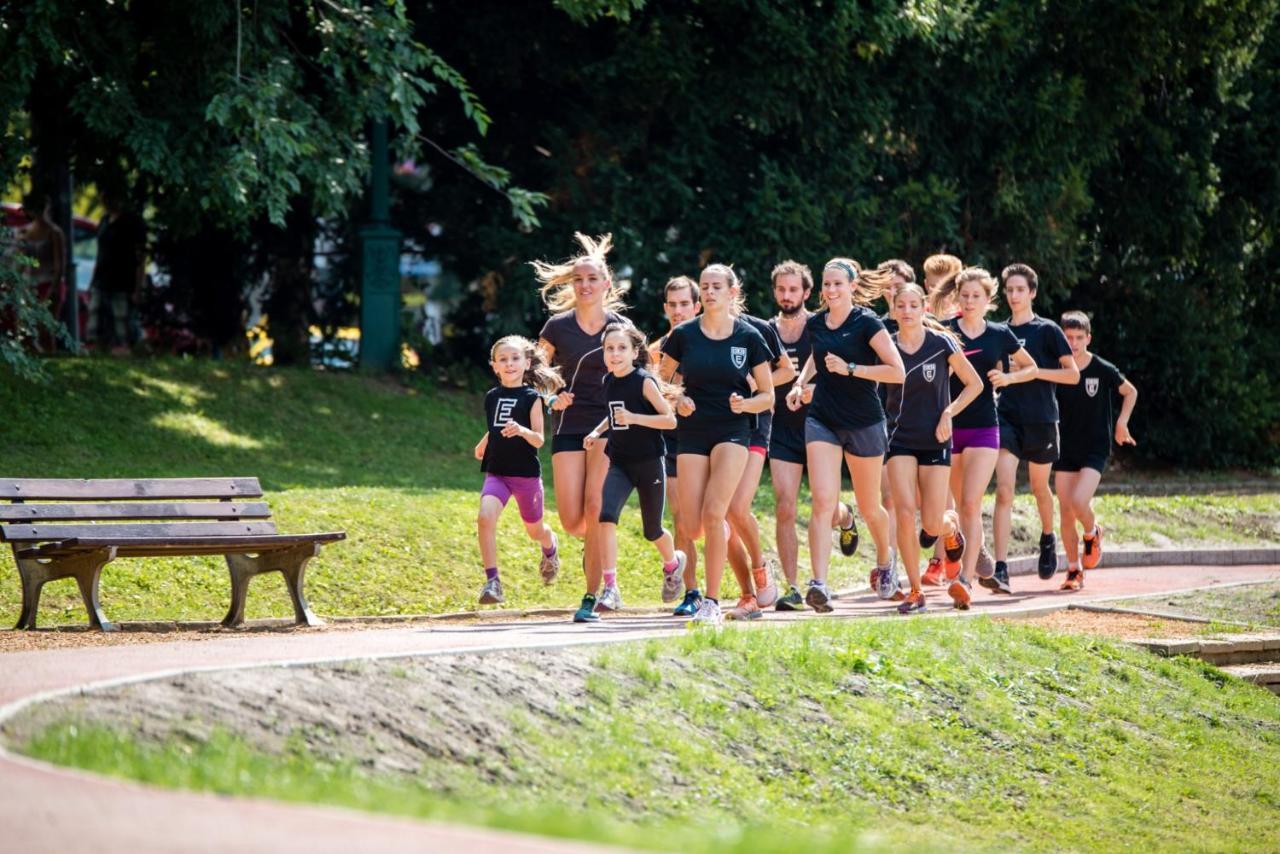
[610, 577]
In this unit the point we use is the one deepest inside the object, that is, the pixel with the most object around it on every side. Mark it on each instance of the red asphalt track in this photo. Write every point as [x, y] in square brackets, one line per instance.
[48, 809]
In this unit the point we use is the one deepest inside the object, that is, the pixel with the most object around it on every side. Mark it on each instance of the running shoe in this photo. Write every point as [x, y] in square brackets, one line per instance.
[1048, 556]
[932, 573]
[673, 581]
[1075, 579]
[708, 614]
[586, 612]
[986, 565]
[610, 599]
[793, 601]
[766, 590]
[689, 607]
[953, 548]
[998, 582]
[491, 593]
[888, 584]
[913, 604]
[746, 609]
[550, 566]
[818, 597]
[1093, 548]
[960, 594]
[849, 535]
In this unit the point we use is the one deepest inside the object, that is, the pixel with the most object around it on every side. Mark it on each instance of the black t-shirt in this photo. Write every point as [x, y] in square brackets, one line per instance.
[800, 350]
[631, 443]
[580, 358]
[713, 370]
[1085, 410]
[510, 456]
[916, 405]
[770, 336]
[1034, 402]
[845, 402]
[882, 389]
[991, 349]
[668, 436]
[122, 244]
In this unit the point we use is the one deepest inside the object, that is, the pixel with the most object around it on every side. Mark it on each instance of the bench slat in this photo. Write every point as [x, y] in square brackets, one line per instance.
[159, 531]
[140, 547]
[229, 510]
[59, 489]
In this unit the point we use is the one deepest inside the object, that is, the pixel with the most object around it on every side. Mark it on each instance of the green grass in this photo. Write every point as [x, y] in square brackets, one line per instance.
[824, 736]
[390, 465]
[1257, 604]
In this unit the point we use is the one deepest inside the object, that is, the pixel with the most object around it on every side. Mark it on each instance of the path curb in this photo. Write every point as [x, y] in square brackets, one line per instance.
[1126, 558]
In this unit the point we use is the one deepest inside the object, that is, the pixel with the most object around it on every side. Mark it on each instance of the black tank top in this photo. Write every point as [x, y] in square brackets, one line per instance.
[509, 456]
[631, 443]
[783, 417]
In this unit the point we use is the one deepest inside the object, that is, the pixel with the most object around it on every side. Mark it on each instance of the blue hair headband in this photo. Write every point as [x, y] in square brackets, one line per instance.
[853, 274]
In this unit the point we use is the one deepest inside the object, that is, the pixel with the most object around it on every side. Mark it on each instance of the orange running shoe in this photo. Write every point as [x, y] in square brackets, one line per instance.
[913, 603]
[746, 609]
[1075, 579]
[933, 573]
[1093, 548]
[960, 595]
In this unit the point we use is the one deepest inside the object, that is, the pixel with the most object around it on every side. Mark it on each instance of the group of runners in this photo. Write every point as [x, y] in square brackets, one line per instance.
[922, 406]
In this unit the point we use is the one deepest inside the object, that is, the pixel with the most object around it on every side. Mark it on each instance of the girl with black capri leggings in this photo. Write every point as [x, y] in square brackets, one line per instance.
[638, 413]
[715, 355]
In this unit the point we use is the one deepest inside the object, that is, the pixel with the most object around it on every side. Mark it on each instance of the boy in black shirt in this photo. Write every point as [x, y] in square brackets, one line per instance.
[1029, 415]
[1086, 443]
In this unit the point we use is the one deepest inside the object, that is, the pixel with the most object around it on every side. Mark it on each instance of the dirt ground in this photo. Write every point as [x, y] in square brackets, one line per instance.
[1120, 626]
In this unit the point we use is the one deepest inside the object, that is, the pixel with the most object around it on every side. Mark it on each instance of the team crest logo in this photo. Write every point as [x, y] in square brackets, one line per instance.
[1091, 386]
[930, 371]
[739, 356]
[1022, 342]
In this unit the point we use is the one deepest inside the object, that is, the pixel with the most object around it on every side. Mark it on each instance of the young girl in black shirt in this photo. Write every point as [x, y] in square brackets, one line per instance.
[638, 412]
[508, 454]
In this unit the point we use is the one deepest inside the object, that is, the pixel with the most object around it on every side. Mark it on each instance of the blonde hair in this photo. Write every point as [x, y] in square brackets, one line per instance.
[868, 285]
[927, 321]
[940, 268]
[982, 277]
[739, 305]
[557, 279]
[539, 374]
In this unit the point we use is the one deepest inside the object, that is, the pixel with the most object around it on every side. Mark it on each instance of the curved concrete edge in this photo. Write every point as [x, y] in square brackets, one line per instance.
[1127, 558]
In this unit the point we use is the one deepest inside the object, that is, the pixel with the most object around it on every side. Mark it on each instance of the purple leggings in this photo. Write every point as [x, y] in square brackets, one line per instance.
[963, 438]
[527, 492]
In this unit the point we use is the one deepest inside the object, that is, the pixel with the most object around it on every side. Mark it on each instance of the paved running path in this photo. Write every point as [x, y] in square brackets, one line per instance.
[43, 808]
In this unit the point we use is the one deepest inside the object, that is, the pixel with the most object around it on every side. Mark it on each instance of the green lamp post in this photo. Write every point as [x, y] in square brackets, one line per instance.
[379, 266]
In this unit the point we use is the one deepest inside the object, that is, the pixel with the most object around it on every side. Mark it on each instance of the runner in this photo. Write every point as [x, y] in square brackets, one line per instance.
[715, 355]
[755, 579]
[637, 413]
[583, 298]
[1085, 412]
[975, 439]
[508, 454]
[1029, 416]
[900, 273]
[920, 413]
[792, 284]
[846, 419]
[680, 303]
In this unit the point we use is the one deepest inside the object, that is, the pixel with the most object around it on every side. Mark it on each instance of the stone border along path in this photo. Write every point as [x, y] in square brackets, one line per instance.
[44, 806]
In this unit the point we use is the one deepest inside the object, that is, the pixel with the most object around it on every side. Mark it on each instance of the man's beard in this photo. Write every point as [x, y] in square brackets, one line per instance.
[792, 311]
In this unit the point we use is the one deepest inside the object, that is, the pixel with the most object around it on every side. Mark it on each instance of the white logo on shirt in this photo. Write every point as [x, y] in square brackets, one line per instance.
[502, 413]
[739, 356]
[1022, 342]
[930, 371]
[1091, 386]
[614, 406]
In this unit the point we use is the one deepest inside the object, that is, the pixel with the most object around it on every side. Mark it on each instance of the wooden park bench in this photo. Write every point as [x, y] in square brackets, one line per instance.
[122, 518]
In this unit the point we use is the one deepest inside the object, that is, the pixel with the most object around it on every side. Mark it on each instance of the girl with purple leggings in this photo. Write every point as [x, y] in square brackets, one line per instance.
[975, 434]
[508, 455]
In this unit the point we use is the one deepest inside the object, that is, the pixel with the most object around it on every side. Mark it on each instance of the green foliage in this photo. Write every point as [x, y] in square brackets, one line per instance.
[24, 319]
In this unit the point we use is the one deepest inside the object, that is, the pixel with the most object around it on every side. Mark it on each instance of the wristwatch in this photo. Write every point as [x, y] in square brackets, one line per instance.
[853, 368]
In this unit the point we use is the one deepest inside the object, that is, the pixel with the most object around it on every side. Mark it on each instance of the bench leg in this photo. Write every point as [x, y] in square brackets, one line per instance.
[85, 568]
[291, 563]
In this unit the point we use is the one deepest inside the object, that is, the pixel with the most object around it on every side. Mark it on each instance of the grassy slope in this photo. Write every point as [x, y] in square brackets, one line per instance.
[1258, 604]
[827, 736]
[393, 468]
